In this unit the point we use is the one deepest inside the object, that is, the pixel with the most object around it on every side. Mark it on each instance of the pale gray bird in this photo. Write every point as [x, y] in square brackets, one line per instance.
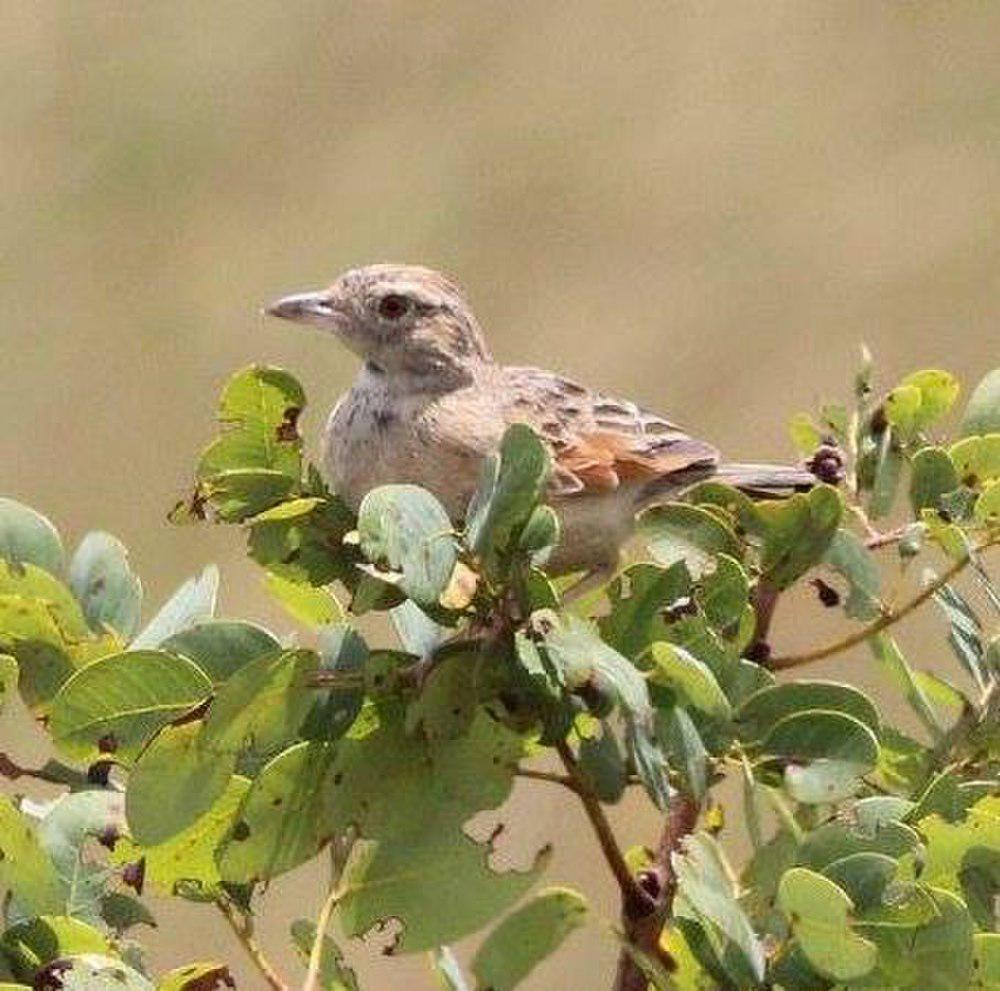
[430, 403]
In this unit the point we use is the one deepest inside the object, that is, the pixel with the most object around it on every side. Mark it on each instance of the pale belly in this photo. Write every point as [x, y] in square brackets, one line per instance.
[364, 448]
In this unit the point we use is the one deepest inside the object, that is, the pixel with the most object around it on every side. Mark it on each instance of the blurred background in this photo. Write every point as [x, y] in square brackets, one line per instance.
[703, 206]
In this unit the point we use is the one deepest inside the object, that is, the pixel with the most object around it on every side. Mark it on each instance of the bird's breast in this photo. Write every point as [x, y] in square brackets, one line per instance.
[376, 437]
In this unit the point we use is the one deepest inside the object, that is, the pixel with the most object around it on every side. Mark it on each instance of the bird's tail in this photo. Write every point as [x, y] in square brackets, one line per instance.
[766, 481]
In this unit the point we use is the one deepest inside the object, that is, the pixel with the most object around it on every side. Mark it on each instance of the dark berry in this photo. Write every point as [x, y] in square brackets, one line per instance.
[827, 464]
[827, 594]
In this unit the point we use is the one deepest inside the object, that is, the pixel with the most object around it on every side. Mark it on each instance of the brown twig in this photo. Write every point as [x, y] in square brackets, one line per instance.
[557, 779]
[242, 927]
[605, 837]
[765, 600]
[659, 882]
[890, 618]
[878, 539]
[51, 772]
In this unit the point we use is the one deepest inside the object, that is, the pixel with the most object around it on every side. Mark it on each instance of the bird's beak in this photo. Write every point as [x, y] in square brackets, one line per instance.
[303, 307]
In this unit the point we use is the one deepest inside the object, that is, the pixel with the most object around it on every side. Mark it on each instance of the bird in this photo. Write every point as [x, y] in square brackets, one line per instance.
[430, 404]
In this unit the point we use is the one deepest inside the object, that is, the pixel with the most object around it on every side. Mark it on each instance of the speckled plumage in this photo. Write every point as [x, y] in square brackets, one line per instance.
[430, 404]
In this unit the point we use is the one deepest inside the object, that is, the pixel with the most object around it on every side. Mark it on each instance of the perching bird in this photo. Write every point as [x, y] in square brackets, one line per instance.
[430, 403]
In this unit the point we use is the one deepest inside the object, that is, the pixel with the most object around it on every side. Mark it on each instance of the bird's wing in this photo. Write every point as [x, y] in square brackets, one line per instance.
[600, 442]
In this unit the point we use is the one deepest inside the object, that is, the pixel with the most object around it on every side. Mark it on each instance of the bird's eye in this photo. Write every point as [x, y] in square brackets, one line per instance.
[393, 306]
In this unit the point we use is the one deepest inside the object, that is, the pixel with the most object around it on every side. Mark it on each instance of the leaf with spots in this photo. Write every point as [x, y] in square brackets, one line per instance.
[282, 820]
[116, 704]
[107, 588]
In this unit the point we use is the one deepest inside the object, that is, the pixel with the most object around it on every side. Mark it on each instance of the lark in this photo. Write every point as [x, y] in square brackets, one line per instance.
[430, 404]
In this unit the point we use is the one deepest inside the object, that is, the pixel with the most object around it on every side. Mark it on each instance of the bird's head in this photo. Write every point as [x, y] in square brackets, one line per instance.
[401, 319]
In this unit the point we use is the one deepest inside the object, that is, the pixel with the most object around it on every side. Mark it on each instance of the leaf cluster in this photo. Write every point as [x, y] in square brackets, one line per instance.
[202, 757]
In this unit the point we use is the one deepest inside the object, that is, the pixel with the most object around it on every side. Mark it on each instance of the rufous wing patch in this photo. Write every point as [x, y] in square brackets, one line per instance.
[603, 460]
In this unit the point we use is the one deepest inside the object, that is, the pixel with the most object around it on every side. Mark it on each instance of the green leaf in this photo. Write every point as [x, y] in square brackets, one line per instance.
[205, 976]
[723, 593]
[27, 537]
[582, 659]
[932, 475]
[977, 459]
[333, 710]
[677, 531]
[8, 678]
[185, 864]
[835, 840]
[108, 590]
[67, 831]
[765, 708]
[92, 972]
[804, 433]
[306, 603]
[891, 658]
[32, 944]
[823, 781]
[987, 509]
[409, 800]
[117, 703]
[238, 493]
[601, 762]
[261, 394]
[819, 914]
[540, 535]
[263, 704]
[449, 697]
[982, 414]
[418, 633]
[965, 632]
[888, 471]
[281, 821]
[256, 461]
[173, 783]
[684, 748]
[902, 409]
[920, 400]
[820, 734]
[955, 852]
[637, 597]
[797, 532]
[918, 955]
[509, 489]
[193, 602]
[675, 668]
[526, 937]
[707, 896]
[303, 540]
[221, 647]
[334, 974]
[405, 528]
[848, 556]
[44, 629]
[121, 912]
[985, 962]
[25, 867]
[864, 877]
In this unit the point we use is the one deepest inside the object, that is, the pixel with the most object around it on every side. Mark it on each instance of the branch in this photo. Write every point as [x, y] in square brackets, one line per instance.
[890, 618]
[557, 779]
[765, 600]
[242, 927]
[322, 922]
[52, 772]
[643, 928]
[609, 846]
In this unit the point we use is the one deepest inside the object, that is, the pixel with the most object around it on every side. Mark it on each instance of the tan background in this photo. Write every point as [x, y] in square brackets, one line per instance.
[703, 205]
